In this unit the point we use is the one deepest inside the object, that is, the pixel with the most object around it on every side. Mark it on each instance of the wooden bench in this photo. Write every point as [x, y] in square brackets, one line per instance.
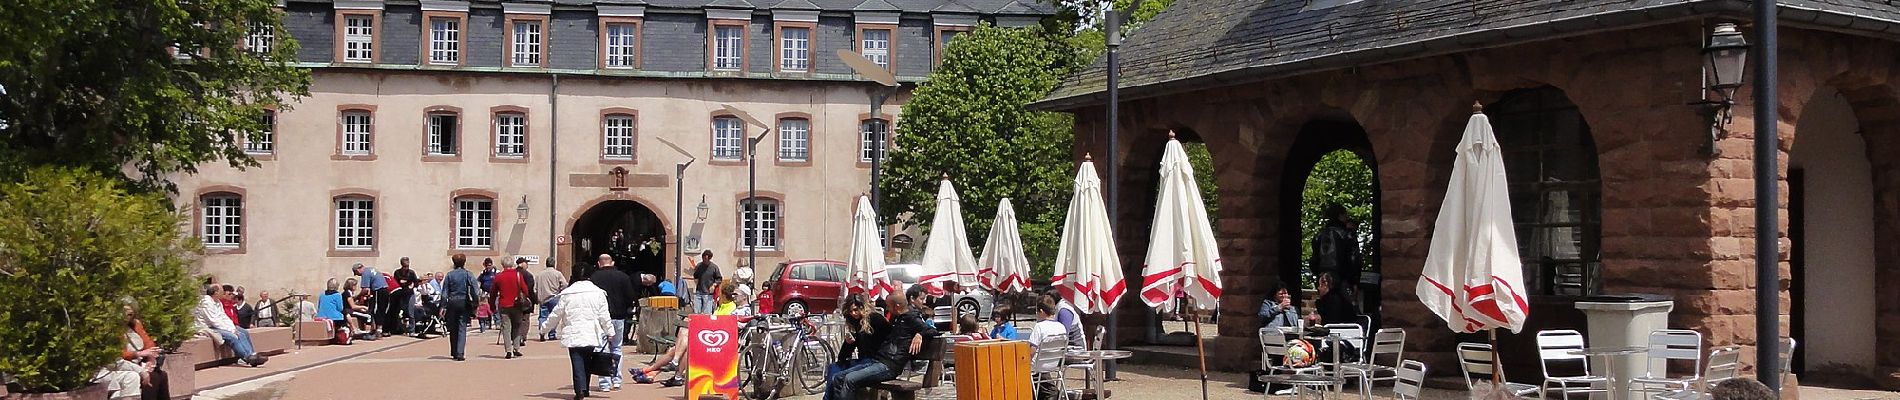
[900, 389]
[206, 353]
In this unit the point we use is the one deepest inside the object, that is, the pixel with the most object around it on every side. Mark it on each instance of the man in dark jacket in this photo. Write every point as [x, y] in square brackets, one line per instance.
[620, 298]
[909, 329]
[402, 298]
[1336, 248]
[459, 294]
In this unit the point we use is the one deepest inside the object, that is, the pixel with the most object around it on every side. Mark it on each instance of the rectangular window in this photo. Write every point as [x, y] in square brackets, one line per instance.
[445, 41]
[727, 133]
[620, 40]
[262, 143]
[511, 135]
[617, 135]
[443, 132]
[261, 38]
[794, 139]
[359, 38]
[355, 223]
[223, 221]
[794, 49]
[874, 137]
[474, 224]
[761, 224]
[527, 44]
[728, 48]
[877, 46]
[356, 133]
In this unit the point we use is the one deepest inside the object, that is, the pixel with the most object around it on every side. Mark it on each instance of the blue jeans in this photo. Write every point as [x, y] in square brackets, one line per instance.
[838, 368]
[577, 360]
[613, 345]
[546, 309]
[703, 303]
[240, 342]
[845, 384]
[457, 321]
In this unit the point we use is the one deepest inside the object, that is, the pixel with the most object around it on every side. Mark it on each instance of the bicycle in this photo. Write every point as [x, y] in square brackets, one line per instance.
[776, 347]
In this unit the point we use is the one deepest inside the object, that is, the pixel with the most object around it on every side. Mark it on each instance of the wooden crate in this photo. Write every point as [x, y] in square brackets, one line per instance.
[660, 302]
[993, 370]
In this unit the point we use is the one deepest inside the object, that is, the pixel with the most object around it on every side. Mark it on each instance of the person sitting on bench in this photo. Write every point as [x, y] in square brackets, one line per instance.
[209, 318]
[909, 330]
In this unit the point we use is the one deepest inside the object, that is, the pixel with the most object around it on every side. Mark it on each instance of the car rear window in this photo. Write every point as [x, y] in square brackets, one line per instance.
[803, 273]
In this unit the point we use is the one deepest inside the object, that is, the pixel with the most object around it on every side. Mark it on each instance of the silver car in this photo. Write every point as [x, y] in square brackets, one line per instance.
[972, 300]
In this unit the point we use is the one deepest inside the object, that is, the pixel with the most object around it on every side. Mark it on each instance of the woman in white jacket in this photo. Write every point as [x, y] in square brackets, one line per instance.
[583, 323]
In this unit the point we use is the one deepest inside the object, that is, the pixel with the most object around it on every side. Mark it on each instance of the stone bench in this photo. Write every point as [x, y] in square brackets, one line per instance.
[316, 333]
[206, 353]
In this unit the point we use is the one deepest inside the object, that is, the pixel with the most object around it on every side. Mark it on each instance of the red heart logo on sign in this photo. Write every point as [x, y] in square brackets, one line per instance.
[714, 338]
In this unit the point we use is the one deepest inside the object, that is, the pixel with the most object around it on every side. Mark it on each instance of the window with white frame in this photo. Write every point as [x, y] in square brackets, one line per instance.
[527, 44]
[444, 131]
[445, 41]
[357, 133]
[727, 134]
[760, 226]
[511, 135]
[620, 40]
[222, 220]
[474, 223]
[874, 136]
[617, 137]
[262, 142]
[728, 47]
[359, 38]
[261, 37]
[355, 223]
[794, 49]
[794, 139]
[877, 46]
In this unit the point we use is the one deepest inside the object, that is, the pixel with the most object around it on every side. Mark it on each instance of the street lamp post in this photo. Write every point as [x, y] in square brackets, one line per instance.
[876, 73]
[1767, 207]
[679, 210]
[752, 183]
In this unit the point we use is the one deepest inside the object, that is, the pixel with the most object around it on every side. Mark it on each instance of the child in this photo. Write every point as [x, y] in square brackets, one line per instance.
[968, 329]
[483, 314]
[1004, 329]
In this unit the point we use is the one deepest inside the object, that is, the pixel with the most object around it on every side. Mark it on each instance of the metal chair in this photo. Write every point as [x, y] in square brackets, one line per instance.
[1052, 350]
[1407, 380]
[1385, 342]
[1558, 347]
[1088, 366]
[1352, 333]
[1667, 345]
[1273, 343]
[1475, 358]
[1724, 364]
[1787, 359]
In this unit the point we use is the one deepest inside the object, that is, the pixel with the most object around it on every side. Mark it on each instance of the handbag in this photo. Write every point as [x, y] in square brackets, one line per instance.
[600, 362]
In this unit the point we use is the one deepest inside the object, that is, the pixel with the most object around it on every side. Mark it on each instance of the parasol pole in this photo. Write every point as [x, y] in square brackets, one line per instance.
[1200, 347]
[1497, 368]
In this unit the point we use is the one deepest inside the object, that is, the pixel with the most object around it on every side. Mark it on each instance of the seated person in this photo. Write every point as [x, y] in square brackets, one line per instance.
[1278, 311]
[330, 305]
[909, 330]
[355, 299]
[1045, 329]
[1333, 306]
[209, 319]
[727, 305]
[865, 330]
[968, 329]
[127, 377]
[1003, 329]
[1066, 314]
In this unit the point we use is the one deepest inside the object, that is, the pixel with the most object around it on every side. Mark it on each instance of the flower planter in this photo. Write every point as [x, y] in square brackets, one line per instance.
[180, 372]
[96, 391]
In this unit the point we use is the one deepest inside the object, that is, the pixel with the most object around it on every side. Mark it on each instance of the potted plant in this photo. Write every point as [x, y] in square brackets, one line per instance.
[73, 245]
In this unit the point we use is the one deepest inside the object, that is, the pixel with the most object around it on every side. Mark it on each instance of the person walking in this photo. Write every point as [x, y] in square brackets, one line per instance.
[535, 297]
[511, 295]
[460, 293]
[620, 297]
[583, 319]
[549, 282]
[705, 278]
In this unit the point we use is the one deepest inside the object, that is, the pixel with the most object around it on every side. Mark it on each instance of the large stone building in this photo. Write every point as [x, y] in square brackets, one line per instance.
[536, 128]
[1620, 184]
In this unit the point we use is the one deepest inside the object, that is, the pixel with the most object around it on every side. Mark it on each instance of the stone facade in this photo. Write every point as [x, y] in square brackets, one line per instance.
[1677, 219]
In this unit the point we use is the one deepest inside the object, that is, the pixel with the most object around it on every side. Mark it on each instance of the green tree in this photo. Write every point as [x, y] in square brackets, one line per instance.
[968, 121]
[1340, 178]
[138, 89]
[74, 245]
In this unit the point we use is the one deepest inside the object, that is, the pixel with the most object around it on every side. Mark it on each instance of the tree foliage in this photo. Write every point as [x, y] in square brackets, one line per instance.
[1339, 178]
[137, 88]
[968, 121]
[74, 245]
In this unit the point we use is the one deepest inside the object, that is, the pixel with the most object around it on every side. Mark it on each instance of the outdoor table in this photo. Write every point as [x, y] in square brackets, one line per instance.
[1302, 381]
[1096, 375]
[1609, 356]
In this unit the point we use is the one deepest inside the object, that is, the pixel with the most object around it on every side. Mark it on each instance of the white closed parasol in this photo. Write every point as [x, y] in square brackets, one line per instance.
[1182, 255]
[1003, 267]
[1088, 272]
[947, 256]
[867, 274]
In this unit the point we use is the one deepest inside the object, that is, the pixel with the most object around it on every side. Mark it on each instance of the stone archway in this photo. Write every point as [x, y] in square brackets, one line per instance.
[1316, 139]
[592, 233]
[1831, 227]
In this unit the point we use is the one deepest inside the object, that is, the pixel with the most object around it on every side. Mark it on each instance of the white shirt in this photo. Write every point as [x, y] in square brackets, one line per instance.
[1044, 331]
[210, 315]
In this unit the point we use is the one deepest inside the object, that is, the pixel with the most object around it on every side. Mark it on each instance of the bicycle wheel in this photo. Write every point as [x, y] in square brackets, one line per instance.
[748, 358]
[811, 361]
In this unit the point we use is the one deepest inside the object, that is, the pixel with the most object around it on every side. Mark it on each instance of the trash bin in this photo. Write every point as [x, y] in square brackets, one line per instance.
[1625, 320]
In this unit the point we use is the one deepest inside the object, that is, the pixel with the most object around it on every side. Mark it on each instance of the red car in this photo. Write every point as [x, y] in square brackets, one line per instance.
[803, 286]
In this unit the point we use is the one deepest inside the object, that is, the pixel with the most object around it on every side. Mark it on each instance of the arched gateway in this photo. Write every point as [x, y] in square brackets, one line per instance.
[640, 248]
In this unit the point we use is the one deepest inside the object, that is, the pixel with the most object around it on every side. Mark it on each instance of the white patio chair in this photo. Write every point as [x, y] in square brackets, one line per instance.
[1475, 358]
[1088, 366]
[1273, 343]
[1787, 359]
[1724, 364]
[1407, 380]
[1387, 345]
[1051, 351]
[1556, 347]
[1669, 345]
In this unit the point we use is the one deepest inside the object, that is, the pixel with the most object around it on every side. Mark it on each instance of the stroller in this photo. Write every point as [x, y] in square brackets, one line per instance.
[429, 319]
